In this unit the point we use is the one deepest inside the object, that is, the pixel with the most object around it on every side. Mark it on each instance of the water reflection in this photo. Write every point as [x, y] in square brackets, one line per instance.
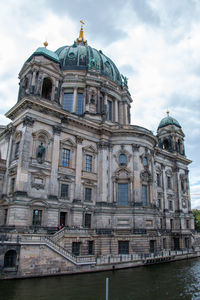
[179, 280]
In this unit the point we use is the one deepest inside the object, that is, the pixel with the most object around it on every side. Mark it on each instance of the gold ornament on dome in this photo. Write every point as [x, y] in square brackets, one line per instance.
[45, 44]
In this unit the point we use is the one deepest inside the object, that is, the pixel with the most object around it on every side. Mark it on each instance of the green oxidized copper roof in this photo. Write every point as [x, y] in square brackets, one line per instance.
[80, 56]
[168, 121]
[45, 52]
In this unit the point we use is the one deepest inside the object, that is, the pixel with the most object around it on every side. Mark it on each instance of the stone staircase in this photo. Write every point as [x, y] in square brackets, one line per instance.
[32, 239]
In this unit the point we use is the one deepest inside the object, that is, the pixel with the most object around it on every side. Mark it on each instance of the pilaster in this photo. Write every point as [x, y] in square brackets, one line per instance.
[24, 155]
[75, 99]
[78, 167]
[55, 161]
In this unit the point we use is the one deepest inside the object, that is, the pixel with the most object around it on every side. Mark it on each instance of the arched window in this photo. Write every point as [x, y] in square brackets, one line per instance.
[10, 259]
[145, 161]
[166, 144]
[26, 84]
[47, 88]
[179, 146]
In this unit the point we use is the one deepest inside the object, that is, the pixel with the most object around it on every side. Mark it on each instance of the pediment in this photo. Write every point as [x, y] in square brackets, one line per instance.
[38, 202]
[68, 142]
[4, 202]
[90, 148]
[122, 173]
[50, 65]
[40, 173]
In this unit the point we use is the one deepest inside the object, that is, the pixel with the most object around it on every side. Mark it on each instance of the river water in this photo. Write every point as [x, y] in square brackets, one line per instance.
[175, 280]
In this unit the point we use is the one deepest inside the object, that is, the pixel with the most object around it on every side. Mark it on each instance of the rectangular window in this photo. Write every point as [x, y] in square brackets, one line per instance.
[64, 191]
[88, 194]
[88, 163]
[164, 243]
[187, 242]
[5, 216]
[158, 180]
[187, 224]
[87, 222]
[37, 217]
[170, 205]
[101, 105]
[161, 223]
[16, 150]
[169, 184]
[171, 224]
[65, 158]
[12, 185]
[123, 247]
[76, 248]
[68, 101]
[159, 203]
[122, 194]
[79, 105]
[109, 110]
[144, 195]
[90, 247]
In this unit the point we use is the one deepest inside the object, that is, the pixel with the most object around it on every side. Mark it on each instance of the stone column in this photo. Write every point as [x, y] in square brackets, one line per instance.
[105, 103]
[75, 99]
[165, 204]
[98, 101]
[110, 164]
[33, 82]
[39, 85]
[24, 156]
[54, 187]
[56, 91]
[178, 193]
[103, 175]
[9, 154]
[154, 192]
[87, 99]
[125, 114]
[116, 110]
[164, 187]
[136, 171]
[78, 167]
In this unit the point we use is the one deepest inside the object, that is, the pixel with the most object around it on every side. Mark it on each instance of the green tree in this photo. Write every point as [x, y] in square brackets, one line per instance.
[196, 214]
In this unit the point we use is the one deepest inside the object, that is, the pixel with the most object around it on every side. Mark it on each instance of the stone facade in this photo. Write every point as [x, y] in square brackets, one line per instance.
[70, 158]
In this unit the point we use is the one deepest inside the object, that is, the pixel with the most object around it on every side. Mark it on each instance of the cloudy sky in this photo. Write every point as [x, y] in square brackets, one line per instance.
[155, 43]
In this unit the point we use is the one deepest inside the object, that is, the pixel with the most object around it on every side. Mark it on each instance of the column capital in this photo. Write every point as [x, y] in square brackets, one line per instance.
[79, 139]
[57, 129]
[28, 121]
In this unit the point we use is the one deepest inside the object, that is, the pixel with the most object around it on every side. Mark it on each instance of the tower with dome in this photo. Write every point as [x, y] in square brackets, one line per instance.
[81, 188]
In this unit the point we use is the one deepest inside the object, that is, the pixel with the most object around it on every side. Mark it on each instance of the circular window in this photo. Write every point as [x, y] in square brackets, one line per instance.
[71, 55]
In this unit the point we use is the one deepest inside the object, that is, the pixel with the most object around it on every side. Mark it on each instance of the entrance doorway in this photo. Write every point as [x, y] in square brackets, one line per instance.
[176, 244]
[63, 218]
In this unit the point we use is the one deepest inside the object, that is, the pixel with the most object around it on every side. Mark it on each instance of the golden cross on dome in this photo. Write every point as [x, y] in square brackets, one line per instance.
[81, 36]
[167, 112]
[82, 22]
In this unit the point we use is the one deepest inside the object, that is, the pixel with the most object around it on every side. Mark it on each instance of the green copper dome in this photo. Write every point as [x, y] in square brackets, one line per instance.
[81, 56]
[168, 121]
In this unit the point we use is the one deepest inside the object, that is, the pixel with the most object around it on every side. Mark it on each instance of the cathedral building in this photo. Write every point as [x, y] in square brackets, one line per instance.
[78, 182]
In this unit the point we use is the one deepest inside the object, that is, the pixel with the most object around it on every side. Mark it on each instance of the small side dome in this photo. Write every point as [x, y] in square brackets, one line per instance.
[168, 121]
